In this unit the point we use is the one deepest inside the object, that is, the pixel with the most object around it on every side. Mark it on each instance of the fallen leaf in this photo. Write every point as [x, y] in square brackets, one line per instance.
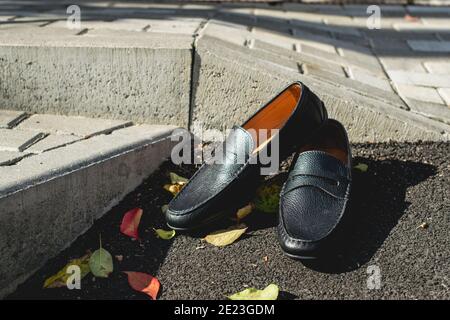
[59, 279]
[143, 282]
[243, 212]
[165, 234]
[130, 223]
[361, 167]
[410, 18]
[101, 263]
[268, 293]
[176, 179]
[268, 198]
[164, 208]
[173, 188]
[225, 237]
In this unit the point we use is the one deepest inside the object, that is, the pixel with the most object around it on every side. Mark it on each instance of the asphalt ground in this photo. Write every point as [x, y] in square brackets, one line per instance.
[400, 209]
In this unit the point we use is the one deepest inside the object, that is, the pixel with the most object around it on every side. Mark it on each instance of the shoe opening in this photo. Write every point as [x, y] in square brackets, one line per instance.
[330, 139]
[273, 116]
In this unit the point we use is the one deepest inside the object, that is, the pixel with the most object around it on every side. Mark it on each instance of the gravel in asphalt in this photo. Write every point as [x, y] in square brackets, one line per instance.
[405, 186]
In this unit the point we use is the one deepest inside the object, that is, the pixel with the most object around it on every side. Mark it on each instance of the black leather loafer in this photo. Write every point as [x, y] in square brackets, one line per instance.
[218, 188]
[315, 195]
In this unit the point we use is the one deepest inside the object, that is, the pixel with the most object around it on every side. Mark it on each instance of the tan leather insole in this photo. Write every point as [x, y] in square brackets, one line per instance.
[274, 115]
[329, 142]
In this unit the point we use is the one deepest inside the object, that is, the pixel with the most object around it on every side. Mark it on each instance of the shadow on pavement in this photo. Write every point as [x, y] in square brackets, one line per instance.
[377, 203]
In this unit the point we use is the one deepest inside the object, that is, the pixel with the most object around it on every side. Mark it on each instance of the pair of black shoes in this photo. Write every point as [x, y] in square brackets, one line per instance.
[315, 195]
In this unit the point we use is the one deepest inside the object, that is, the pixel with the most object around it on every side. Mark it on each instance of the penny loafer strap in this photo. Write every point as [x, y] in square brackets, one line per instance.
[321, 170]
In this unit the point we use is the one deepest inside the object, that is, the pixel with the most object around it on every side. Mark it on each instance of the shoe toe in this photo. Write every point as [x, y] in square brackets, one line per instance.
[308, 216]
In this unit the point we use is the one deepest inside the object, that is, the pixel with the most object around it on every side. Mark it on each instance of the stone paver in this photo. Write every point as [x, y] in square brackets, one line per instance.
[366, 77]
[400, 63]
[429, 109]
[18, 140]
[438, 67]
[78, 126]
[118, 24]
[445, 94]
[429, 46]
[427, 10]
[8, 157]
[420, 79]
[52, 141]
[419, 93]
[9, 118]
[326, 39]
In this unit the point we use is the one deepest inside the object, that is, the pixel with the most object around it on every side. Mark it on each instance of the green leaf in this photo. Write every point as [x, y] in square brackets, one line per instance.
[101, 263]
[268, 198]
[165, 234]
[268, 293]
[361, 167]
[59, 279]
[225, 237]
[176, 179]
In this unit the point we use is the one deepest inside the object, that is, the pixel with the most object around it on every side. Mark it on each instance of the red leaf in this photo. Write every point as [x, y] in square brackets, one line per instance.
[410, 18]
[143, 282]
[130, 223]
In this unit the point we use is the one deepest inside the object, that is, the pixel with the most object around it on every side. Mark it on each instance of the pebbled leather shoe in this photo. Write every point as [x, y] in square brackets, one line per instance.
[314, 197]
[217, 188]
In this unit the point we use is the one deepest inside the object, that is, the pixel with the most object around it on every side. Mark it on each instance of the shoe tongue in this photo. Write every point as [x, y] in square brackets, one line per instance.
[320, 163]
[237, 146]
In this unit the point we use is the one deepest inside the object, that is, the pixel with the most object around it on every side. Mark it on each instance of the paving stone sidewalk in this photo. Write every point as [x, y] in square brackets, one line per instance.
[406, 62]
[25, 135]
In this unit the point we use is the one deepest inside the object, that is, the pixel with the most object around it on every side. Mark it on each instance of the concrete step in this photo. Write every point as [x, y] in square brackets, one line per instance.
[118, 74]
[224, 68]
[189, 64]
[53, 189]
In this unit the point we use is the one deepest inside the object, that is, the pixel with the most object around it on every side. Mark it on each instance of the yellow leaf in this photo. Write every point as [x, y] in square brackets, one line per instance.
[176, 179]
[361, 167]
[268, 293]
[243, 212]
[173, 188]
[268, 198]
[59, 279]
[225, 237]
[165, 234]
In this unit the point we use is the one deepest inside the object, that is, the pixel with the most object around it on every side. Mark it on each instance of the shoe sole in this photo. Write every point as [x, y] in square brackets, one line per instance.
[297, 257]
[210, 220]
